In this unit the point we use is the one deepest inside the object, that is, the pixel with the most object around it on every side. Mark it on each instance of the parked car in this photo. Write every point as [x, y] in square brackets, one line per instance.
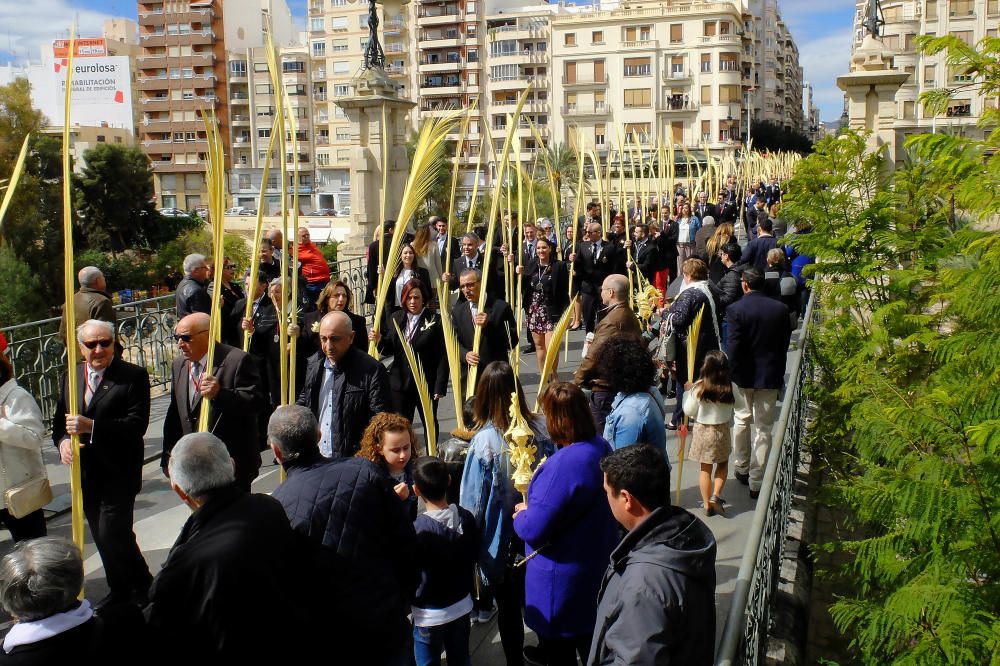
[241, 211]
[172, 212]
[249, 211]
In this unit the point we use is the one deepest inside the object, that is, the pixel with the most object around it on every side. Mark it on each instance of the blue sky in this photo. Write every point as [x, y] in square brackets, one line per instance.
[821, 28]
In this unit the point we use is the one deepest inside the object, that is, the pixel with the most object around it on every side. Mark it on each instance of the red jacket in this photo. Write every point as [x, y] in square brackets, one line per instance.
[314, 266]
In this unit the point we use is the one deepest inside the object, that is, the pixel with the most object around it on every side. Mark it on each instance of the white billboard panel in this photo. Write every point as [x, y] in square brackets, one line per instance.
[102, 91]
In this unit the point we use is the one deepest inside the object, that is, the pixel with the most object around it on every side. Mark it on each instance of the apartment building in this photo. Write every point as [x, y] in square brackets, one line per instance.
[183, 75]
[253, 106]
[771, 67]
[337, 39]
[813, 126]
[970, 21]
[668, 70]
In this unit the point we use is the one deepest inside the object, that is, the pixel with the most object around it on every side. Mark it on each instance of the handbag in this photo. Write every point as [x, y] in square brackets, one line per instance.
[667, 351]
[26, 497]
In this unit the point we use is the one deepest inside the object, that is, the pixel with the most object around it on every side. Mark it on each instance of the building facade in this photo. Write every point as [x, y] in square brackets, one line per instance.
[970, 21]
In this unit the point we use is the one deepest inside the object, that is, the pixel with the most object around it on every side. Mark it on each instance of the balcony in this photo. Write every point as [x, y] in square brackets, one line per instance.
[319, 96]
[683, 76]
[394, 26]
[428, 16]
[641, 44]
[394, 48]
[678, 106]
[395, 70]
[579, 110]
[721, 39]
[315, 9]
[451, 89]
[441, 41]
[601, 81]
[239, 98]
[429, 65]
[238, 119]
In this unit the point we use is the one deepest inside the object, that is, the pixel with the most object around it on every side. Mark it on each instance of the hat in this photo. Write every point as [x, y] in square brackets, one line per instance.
[3, 343]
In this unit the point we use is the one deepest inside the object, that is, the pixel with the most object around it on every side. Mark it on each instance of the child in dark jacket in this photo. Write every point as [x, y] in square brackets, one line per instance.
[447, 545]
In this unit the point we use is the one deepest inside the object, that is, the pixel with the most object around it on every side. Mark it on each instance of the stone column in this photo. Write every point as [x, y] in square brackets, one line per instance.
[871, 88]
[373, 91]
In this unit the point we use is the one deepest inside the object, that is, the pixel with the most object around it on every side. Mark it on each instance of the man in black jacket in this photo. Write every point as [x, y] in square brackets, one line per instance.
[657, 601]
[344, 387]
[644, 253]
[113, 401]
[497, 321]
[757, 249]
[192, 292]
[759, 332]
[349, 509]
[596, 261]
[235, 553]
[233, 391]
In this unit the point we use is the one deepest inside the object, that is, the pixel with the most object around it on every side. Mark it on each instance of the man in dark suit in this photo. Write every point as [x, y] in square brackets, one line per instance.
[644, 253]
[702, 208]
[472, 257]
[233, 389]
[113, 397]
[344, 387]
[192, 292]
[497, 321]
[772, 193]
[725, 209]
[759, 332]
[444, 239]
[598, 259]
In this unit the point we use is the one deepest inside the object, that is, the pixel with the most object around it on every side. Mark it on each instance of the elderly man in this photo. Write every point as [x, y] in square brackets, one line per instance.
[367, 543]
[617, 319]
[497, 321]
[192, 292]
[344, 387]
[92, 300]
[233, 388]
[596, 260]
[235, 552]
[113, 404]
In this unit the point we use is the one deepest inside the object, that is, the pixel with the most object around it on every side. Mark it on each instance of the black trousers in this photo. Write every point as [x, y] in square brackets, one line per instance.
[110, 515]
[564, 651]
[589, 304]
[600, 407]
[31, 526]
[510, 615]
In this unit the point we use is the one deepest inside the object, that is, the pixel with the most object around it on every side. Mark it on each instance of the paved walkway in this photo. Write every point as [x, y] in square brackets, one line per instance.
[159, 514]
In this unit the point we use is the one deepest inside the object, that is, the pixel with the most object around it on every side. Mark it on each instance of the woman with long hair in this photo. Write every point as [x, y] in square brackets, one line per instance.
[21, 435]
[545, 290]
[488, 492]
[713, 248]
[687, 226]
[408, 268]
[568, 530]
[711, 401]
[422, 329]
[428, 256]
[637, 413]
[336, 296]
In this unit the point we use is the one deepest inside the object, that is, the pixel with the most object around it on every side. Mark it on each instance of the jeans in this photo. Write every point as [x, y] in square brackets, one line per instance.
[758, 415]
[453, 637]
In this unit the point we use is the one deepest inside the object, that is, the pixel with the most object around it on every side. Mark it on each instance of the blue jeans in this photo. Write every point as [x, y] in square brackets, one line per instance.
[453, 637]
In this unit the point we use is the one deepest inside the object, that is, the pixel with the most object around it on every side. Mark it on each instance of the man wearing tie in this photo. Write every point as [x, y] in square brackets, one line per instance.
[702, 208]
[442, 239]
[644, 253]
[497, 321]
[232, 389]
[473, 258]
[113, 402]
[344, 387]
[598, 260]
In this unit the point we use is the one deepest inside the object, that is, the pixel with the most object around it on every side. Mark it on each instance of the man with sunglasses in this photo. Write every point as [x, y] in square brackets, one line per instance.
[112, 416]
[231, 389]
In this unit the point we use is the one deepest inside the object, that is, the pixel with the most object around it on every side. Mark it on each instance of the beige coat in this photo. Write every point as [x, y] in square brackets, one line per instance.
[21, 435]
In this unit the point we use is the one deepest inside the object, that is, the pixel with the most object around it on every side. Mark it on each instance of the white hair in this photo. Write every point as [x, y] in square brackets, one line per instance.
[89, 276]
[191, 262]
[200, 463]
[40, 577]
[107, 326]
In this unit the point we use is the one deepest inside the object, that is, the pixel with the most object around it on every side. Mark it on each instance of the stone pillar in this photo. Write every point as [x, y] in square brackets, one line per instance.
[871, 89]
[373, 91]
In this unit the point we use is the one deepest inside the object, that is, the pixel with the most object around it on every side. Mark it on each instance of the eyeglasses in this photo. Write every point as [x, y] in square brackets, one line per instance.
[93, 344]
[228, 267]
[470, 285]
[187, 337]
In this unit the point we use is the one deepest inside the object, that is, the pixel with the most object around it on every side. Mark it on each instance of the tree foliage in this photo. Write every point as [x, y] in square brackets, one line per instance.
[772, 136]
[908, 397]
[22, 298]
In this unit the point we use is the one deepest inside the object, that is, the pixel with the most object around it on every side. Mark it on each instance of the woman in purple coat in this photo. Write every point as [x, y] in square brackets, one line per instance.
[568, 524]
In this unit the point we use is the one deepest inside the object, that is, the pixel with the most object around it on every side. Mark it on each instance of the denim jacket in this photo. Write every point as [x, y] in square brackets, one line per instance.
[638, 417]
[488, 493]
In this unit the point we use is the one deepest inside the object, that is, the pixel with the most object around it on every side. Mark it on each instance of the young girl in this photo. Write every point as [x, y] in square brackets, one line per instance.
[388, 442]
[711, 401]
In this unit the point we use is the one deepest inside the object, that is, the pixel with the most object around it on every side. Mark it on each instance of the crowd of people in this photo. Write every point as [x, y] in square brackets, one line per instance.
[394, 553]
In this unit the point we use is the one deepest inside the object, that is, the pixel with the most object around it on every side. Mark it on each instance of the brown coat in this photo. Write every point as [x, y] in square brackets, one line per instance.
[620, 320]
[89, 304]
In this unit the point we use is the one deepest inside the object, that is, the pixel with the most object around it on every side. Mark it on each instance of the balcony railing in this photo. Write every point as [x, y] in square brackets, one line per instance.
[581, 81]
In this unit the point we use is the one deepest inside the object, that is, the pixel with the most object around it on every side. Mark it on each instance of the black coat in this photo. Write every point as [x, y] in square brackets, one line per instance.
[371, 265]
[499, 335]
[759, 333]
[366, 393]
[666, 242]
[657, 600]
[731, 285]
[348, 507]
[111, 461]
[107, 638]
[495, 285]
[203, 603]
[756, 251]
[706, 209]
[647, 259]
[428, 345]
[232, 334]
[682, 313]
[234, 411]
[554, 284]
[191, 296]
[610, 260]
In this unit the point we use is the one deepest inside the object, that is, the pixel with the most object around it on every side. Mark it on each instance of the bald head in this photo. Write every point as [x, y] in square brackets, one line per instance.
[615, 288]
[192, 335]
[336, 335]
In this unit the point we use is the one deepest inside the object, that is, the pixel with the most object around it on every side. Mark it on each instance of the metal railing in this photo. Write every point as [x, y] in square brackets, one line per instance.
[145, 331]
[745, 634]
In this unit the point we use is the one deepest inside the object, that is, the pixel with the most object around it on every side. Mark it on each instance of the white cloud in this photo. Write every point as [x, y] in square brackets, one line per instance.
[33, 23]
[823, 60]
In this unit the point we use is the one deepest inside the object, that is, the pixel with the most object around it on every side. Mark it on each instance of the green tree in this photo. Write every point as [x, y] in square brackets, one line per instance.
[22, 298]
[17, 119]
[772, 136]
[114, 200]
[170, 257]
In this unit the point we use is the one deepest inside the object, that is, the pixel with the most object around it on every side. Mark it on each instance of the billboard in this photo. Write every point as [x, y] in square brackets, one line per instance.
[91, 47]
[102, 91]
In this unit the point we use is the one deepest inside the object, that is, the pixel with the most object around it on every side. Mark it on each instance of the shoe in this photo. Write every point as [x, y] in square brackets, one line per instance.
[717, 506]
[754, 494]
[528, 349]
[483, 617]
[743, 478]
[535, 656]
[670, 425]
[709, 510]
[576, 328]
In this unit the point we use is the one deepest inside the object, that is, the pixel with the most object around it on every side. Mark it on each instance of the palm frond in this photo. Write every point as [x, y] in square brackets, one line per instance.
[14, 178]
[454, 359]
[423, 391]
[550, 359]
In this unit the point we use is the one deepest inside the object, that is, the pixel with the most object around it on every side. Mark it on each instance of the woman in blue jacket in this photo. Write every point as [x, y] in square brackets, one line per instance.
[637, 413]
[488, 493]
[569, 531]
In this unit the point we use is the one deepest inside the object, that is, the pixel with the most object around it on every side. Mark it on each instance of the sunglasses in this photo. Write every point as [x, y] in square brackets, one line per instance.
[186, 337]
[93, 344]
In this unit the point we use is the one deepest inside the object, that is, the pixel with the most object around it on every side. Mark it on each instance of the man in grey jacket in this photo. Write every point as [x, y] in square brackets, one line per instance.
[657, 600]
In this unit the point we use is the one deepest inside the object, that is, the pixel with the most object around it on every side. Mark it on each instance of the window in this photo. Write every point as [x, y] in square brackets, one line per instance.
[637, 67]
[638, 130]
[503, 47]
[993, 7]
[729, 62]
[570, 76]
[187, 72]
[260, 67]
[343, 134]
[596, 37]
[959, 108]
[599, 75]
[929, 75]
[676, 33]
[706, 62]
[706, 95]
[341, 90]
[729, 94]
[959, 8]
[244, 181]
[318, 49]
[909, 110]
[472, 55]
[338, 24]
[677, 67]
[965, 36]
[709, 29]
[338, 45]
[363, 20]
[175, 73]
[570, 102]
[316, 24]
[930, 10]
[569, 39]
[706, 131]
[322, 159]
[599, 133]
[341, 67]
[959, 75]
[338, 3]
[637, 98]
[293, 66]
[238, 67]
[263, 89]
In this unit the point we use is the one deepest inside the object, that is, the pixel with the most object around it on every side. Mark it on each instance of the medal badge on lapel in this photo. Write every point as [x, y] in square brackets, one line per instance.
[604, 260]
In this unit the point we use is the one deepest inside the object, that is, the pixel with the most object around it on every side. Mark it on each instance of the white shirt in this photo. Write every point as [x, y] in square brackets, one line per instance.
[411, 324]
[94, 379]
[326, 410]
[684, 230]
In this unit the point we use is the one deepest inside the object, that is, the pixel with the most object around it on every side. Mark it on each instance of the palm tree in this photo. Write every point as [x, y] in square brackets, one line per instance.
[564, 167]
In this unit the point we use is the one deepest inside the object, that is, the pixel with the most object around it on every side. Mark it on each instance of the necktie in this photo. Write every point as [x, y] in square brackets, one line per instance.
[93, 380]
[597, 251]
[195, 381]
